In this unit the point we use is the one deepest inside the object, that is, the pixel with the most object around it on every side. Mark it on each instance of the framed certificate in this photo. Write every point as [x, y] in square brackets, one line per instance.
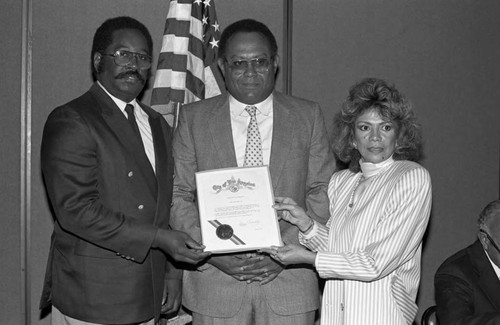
[235, 208]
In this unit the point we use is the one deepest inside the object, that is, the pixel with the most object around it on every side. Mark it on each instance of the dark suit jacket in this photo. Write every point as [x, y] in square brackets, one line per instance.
[107, 202]
[467, 289]
[301, 165]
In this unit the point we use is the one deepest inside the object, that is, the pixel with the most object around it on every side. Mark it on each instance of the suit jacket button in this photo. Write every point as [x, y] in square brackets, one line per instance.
[140, 207]
[130, 174]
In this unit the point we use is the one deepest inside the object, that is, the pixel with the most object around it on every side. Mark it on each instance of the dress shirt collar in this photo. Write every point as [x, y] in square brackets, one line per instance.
[120, 103]
[495, 267]
[237, 108]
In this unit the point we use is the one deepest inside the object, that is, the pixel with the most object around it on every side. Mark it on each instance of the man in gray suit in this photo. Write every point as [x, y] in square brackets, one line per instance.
[250, 288]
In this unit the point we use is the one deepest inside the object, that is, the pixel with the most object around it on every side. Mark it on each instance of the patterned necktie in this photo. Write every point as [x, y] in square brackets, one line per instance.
[131, 120]
[253, 151]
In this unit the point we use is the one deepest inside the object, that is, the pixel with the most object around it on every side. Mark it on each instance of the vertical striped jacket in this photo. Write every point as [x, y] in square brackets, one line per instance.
[370, 253]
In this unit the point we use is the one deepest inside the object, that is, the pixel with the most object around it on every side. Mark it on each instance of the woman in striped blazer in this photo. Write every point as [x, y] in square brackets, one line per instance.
[370, 249]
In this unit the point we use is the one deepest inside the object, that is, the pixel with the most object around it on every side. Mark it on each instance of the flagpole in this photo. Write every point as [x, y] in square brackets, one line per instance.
[177, 109]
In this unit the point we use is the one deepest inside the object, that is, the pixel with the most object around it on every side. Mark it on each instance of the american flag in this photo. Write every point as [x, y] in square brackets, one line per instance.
[187, 66]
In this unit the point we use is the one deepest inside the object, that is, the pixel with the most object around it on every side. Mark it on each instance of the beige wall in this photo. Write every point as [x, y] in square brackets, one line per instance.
[442, 54]
[10, 153]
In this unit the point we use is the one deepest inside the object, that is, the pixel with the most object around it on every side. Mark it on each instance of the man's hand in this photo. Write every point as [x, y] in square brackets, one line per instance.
[247, 267]
[180, 246]
[233, 265]
[172, 295]
[264, 271]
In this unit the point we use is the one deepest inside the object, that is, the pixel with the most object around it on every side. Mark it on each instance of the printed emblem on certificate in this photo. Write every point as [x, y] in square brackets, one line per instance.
[236, 212]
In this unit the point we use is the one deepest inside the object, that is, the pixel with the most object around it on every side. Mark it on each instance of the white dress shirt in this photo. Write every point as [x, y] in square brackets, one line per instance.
[494, 266]
[142, 120]
[370, 253]
[239, 125]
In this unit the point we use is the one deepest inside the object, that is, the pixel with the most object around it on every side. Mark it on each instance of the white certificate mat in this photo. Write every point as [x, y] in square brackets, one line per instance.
[235, 208]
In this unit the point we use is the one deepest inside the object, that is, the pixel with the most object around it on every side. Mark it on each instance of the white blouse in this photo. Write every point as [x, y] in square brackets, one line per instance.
[370, 253]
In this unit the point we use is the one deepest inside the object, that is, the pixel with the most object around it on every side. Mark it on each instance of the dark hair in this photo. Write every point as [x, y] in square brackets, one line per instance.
[488, 213]
[103, 36]
[384, 98]
[247, 26]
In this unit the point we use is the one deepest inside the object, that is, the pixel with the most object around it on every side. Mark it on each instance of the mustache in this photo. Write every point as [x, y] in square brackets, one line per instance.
[132, 73]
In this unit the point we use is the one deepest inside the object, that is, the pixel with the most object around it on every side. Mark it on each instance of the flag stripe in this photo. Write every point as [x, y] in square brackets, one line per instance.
[170, 61]
[175, 44]
[179, 10]
[194, 84]
[167, 78]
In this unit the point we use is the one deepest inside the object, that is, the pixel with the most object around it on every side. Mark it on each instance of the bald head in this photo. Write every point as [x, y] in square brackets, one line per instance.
[490, 216]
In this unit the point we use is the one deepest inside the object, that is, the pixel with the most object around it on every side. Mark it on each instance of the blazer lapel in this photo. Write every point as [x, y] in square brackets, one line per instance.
[161, 157]
[118, 123]
[159, 146]
[219, 126]
[283, 134]
[488, 281]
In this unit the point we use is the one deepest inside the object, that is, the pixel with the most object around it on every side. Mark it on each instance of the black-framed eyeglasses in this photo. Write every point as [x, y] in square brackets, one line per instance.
[490, 239]
[123, 58]
[259, 64]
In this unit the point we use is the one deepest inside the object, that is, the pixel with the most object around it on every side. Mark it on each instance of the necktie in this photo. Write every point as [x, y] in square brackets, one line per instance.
[253, 151]
[131, 120]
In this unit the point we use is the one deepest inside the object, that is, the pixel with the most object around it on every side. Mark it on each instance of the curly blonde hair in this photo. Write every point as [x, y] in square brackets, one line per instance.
[382, 97]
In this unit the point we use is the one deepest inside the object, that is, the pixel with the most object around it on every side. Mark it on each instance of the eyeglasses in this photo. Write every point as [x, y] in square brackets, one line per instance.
[259, 64]
[490, 239]
[123, 58]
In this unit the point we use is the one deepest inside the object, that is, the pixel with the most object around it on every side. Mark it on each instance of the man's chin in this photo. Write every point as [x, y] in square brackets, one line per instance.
[130, 91]
[252, 99]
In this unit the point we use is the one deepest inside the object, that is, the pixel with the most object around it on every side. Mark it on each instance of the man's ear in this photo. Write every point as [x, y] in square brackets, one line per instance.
[97, 61]
[222, 67]
[483, 239]
[276, 61]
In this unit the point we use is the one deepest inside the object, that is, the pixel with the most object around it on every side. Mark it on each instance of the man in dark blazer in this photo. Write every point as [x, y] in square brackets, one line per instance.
[467, 285]
[252, 288]
[108, 168]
